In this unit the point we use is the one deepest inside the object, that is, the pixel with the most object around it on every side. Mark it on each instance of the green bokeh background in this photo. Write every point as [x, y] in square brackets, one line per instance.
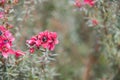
[79, 58]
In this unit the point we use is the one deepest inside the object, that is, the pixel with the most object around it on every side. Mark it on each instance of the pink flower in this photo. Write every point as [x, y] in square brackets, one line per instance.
[89, 2]
[19, 53]
[94, 22]
[6, 40]
[78, 3]
[31, 50]
[53, 40]
[5, 49]
[44, 39]
[32, 41]
[8, 35]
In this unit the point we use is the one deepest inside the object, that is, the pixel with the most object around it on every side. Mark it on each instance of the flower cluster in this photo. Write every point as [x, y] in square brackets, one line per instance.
[45, 39]
[6, 40]
[79, 3]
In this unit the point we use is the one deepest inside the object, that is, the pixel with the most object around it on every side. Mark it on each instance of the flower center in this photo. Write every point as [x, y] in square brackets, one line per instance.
[5, 41]
[44, 39]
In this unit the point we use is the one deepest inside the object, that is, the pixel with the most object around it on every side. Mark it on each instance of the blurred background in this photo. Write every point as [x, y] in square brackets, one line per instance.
[80, 56]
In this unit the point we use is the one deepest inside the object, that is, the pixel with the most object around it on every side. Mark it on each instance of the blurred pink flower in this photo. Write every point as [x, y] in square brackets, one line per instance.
[19, 53]
[31, 50]
[32, 41]
[89, 2]
[8, 35]
[6, 40]
[78, 3]
[44, 38]
[6, 49]
[95, 22]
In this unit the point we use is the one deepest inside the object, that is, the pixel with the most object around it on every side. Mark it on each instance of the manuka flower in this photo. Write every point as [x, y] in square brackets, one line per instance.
[18, 53]
[89, 2]
[6, 40]
[46, 40]
[78, 3]
[32, 50]
[6, 49]
[53, 40]
[32, 41]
